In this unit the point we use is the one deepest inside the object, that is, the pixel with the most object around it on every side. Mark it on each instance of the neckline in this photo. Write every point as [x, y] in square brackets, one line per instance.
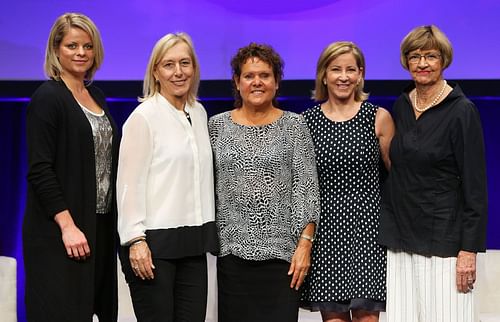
[345, 121]
[229, 113]
[455, 88]
[171, 106]
[89, 111]
[433, 103]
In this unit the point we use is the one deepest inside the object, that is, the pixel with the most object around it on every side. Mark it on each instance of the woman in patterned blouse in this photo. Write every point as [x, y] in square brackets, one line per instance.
[267, 199]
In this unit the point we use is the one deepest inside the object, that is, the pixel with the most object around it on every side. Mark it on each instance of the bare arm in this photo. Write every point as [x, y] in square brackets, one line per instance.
[384, 130]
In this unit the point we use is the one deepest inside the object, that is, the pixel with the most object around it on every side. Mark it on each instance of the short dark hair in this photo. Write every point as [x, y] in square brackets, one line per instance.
[264, 53]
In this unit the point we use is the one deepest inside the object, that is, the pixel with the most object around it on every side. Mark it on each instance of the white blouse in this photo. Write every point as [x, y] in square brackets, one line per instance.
[165, 170]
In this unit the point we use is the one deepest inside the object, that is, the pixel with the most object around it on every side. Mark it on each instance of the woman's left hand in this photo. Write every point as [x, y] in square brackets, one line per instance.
[301, 262]
[466, 271]
[141, 260]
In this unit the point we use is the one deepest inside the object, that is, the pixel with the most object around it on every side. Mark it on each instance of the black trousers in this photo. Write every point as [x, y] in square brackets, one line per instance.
[178, 292]
[255, 291]
[105, 290]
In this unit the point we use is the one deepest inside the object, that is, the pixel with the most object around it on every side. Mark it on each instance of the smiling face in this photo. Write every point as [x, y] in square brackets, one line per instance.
[174, 73]
[342, 76]
[76, 53]
[425, 66]
[256, 84]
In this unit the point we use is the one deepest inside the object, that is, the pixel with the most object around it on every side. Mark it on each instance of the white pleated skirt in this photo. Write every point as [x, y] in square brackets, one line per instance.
[423, 289]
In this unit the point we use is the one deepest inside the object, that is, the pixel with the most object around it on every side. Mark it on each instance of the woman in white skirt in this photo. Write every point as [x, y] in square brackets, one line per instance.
[434, 211]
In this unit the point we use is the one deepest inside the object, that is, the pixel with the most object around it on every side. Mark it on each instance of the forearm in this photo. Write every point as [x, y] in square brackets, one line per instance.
[64, 219]
[308, 233]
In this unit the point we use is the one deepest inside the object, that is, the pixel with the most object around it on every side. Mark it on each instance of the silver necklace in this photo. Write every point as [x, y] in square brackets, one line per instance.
[434, 101]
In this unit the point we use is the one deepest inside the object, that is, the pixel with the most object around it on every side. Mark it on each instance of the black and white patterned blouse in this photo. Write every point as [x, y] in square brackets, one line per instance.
[103, 137]
[266, 185]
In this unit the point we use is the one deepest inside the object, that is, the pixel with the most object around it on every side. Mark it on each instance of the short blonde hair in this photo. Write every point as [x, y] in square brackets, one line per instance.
[150, 86]
[426, 38]
[60, 28]
[330, 53]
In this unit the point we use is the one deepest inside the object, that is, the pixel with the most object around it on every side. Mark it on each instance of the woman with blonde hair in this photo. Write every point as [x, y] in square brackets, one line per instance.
[69, 232]
[351, 137]
[165, 190]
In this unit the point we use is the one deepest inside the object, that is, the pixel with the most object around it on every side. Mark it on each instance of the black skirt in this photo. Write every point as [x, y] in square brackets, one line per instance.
[255, 291]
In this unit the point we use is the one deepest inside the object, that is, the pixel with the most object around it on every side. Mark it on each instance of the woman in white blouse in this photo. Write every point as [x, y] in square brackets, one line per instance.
[165, 189]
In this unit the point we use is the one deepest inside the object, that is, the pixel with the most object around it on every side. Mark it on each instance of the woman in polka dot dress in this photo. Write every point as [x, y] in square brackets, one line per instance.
[347, 278]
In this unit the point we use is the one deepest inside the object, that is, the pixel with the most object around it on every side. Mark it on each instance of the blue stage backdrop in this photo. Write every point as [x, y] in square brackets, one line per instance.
[298, 29]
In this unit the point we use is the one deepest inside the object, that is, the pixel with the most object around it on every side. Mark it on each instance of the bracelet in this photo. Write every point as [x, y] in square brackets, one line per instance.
[137, 241]
[307, 237]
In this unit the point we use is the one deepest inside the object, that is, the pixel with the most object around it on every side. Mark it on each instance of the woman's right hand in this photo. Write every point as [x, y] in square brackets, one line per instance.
[76, 243]
[74, 240]
[141, 260]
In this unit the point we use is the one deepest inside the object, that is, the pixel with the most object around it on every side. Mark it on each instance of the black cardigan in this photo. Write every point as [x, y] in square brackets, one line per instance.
[61, 176]
[435, 198]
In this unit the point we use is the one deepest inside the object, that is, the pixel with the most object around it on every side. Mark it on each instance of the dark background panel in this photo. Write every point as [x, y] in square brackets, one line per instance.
[216, 97]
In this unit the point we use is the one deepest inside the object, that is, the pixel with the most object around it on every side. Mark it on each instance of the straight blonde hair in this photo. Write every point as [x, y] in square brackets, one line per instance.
[331, 52]
[61, 27]
[150, 86]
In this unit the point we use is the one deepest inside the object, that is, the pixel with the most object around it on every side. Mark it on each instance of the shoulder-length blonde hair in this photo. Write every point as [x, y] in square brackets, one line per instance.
[150, 86]
[425, 38]
[61, 26]
[330, 53]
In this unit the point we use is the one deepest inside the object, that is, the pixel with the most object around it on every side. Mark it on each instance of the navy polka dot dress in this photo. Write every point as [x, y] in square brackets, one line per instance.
[348, 267]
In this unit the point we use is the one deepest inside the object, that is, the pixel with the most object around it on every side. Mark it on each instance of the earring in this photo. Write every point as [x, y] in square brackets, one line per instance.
[324, 81]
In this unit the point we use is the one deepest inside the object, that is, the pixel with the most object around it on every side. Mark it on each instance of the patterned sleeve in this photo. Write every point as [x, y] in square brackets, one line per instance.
[212, 129]
[305, 188]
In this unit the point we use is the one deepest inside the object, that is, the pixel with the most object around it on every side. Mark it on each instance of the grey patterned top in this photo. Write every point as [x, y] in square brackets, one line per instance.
[266, 185]
[103, 136]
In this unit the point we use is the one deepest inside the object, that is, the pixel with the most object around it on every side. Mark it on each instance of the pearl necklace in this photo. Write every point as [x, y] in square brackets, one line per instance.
[434, 101]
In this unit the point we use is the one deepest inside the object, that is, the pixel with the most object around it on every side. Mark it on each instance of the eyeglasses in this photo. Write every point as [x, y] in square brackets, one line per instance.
[430, 58]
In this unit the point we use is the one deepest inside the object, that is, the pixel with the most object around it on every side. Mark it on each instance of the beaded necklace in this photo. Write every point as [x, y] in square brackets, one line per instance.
[434, 101]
